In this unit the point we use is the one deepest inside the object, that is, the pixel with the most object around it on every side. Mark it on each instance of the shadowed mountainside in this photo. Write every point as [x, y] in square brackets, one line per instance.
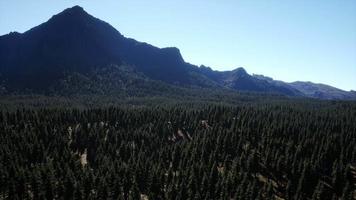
[74, 43]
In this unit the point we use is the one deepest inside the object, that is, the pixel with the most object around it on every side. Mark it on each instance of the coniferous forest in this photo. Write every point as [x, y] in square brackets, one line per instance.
[295, 149]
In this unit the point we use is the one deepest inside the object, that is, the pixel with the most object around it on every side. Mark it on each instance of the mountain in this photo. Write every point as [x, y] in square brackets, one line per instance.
[313, 90]
[74, 52]
[69, 41]
[239, 79]
[74, 41]
[322, 91]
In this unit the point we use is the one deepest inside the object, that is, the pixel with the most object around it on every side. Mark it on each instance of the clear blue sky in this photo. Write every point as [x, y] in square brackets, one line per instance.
[289, 40]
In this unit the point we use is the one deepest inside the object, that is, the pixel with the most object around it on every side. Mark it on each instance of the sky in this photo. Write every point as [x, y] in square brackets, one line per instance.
[289, 40]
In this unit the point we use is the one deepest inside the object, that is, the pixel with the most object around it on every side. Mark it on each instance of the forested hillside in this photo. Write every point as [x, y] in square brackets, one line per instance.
[290, 150]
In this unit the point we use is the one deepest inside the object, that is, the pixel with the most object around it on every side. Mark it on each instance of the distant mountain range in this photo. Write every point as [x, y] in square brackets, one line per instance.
[314, 90]
[74, 52]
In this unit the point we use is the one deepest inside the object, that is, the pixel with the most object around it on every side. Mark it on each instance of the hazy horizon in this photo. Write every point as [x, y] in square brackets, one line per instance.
[288, 41]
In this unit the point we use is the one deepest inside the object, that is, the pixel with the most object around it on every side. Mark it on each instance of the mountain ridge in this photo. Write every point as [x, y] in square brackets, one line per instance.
[74, 41]
[314, 90]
